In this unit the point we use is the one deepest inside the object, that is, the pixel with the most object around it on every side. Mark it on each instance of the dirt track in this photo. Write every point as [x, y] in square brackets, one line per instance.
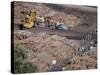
[68, 33]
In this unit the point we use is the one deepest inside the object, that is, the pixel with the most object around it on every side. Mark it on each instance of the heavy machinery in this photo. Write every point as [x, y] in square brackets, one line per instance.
[53, 24]
[62, 27]
[29, 19]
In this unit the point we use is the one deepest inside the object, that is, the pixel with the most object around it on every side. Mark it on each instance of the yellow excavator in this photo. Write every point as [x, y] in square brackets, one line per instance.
[29, 19]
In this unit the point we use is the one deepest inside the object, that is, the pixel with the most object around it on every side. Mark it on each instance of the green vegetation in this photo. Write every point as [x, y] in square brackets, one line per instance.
[20, 53]
[21, 65]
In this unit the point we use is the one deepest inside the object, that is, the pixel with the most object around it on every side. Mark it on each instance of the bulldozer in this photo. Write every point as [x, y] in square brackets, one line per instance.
[29, 19]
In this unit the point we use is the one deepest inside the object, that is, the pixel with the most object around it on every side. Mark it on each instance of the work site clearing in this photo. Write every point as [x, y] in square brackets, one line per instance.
[54, 37]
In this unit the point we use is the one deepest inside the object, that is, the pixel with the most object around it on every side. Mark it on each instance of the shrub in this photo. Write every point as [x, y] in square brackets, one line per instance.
[20, 53]
[20, 63]
[25, 67]
[29, 68]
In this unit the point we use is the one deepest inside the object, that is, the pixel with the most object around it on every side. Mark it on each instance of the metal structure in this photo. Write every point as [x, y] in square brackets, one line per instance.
[86, 42]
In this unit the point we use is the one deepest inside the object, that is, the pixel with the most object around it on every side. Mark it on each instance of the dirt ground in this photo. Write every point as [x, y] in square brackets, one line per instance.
[44, 45]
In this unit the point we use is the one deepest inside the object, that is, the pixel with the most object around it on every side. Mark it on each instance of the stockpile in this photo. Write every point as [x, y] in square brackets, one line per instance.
[43, 48]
